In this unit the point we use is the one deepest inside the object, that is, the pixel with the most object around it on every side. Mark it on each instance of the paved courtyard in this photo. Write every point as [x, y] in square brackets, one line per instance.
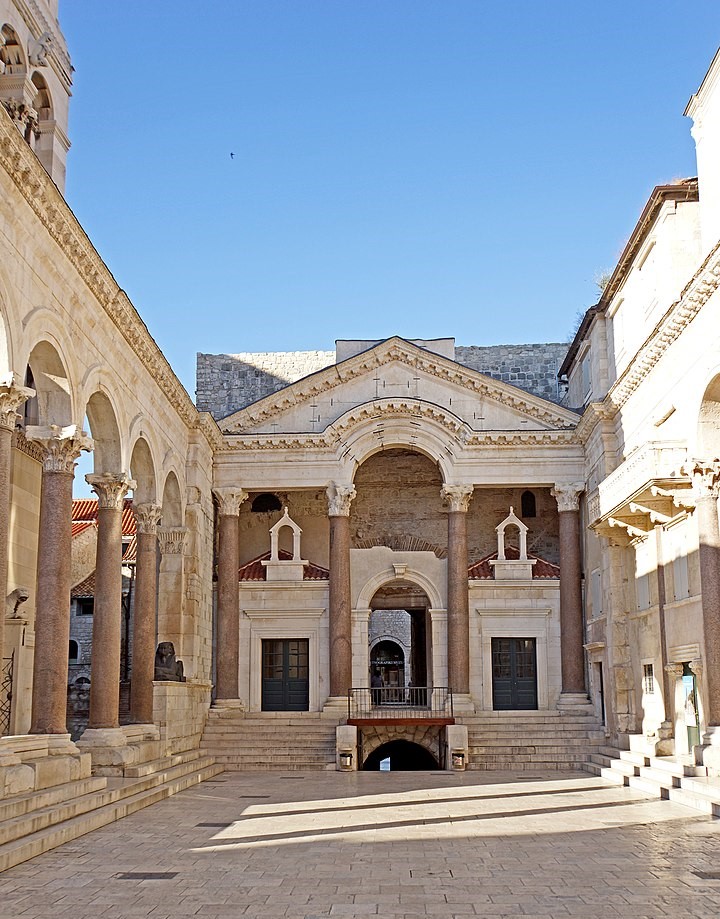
[383, 844]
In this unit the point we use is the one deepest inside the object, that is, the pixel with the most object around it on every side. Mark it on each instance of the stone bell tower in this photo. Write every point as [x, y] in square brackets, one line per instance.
[35, 79]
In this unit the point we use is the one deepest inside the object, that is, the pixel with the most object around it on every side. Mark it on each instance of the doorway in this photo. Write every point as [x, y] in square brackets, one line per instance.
[399, 643]
[514, 674]
[400, 756]
[285, 675]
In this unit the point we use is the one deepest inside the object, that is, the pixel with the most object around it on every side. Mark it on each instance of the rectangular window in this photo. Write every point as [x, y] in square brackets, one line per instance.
[642, 591]
[648, 679]
[85, 606]
[679, 566]
[586, 377]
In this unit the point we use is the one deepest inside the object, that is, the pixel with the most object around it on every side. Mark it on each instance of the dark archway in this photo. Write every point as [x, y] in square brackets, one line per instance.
[404, 756]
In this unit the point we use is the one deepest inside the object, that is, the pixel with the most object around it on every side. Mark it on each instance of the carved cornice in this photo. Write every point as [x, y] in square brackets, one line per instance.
[457, 497]
[61, 446]
[339, 499]
[397, 349]
[28, 447]
[230, 500]
[677, 318]
[110, 488]
[705, 475]
[42, 195]
[147, 517]
[568, 496]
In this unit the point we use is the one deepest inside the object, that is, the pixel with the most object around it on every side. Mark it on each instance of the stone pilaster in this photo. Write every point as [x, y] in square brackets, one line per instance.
[144, 611]
[61, 447]
[572, 639]
[457, 498]
[339, 500]
[12, 397]
[228, 612]
[171, 541]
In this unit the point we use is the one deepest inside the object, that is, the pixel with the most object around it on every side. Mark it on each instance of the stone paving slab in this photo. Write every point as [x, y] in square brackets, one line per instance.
[394, 845]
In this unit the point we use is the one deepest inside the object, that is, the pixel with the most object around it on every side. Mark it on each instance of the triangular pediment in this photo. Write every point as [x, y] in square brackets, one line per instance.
[398, 372]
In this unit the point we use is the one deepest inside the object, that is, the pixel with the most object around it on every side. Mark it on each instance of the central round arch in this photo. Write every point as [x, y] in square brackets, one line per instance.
[400, 756]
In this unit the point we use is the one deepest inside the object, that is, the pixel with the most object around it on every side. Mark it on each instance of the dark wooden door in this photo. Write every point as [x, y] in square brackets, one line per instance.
[514, 673]
[285, 675]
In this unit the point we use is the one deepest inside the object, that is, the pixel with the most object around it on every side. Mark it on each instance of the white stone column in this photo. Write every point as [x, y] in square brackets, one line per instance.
[361, 647]
[439, 644]
[228, 609]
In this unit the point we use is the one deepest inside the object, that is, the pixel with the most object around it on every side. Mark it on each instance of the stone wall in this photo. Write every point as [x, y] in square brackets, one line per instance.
[533, 368]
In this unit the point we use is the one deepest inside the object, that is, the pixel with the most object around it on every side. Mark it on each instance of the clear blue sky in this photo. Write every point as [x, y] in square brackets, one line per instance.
[457, 168]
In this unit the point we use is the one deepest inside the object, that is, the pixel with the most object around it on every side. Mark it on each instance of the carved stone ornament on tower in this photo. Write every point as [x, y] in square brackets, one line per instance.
[705, 475]
[61, 446]
[568, 496]
[39, 48]
[147, 517]
[230, 499]
[172, 540]
[339, 499]
[110, 488]
[457, 497]
[12, 396]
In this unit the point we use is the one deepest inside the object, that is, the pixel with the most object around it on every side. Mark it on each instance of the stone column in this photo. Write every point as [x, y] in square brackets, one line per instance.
[574, 692]
[12, 397]
[457, 497]
[111, 489]
[228, 612]
[61, 447]
[706, 484]
[144, 612]
[339, 499]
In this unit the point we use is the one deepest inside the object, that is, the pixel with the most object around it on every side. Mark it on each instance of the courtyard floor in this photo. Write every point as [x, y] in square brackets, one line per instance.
[396, 845]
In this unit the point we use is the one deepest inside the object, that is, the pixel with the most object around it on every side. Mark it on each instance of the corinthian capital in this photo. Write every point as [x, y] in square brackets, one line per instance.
[172, 540]
[457, 497]
[61, 446]
[110, 487]
[147, 517]
[568, 496]
[230, 499]
[339, 499]
[705, 475]
[12, 396]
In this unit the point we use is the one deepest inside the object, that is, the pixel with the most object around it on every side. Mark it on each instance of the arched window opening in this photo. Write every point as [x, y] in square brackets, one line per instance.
[31, 414]
[528, 507]
[43, 102]
[265, 503]
[12, 58]
[73, 652]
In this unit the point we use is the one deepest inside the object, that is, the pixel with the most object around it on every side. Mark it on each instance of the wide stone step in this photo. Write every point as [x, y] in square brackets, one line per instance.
[19, 805]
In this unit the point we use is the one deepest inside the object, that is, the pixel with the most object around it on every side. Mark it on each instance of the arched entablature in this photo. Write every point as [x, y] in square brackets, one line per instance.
[143, 470]
[172, 504]
[44, 326]
[388, 423]
[105, 431]
[54, 402]
[388, 576]
[12, 55]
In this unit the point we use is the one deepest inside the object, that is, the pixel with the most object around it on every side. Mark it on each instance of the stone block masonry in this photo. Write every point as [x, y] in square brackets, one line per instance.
[533, 368]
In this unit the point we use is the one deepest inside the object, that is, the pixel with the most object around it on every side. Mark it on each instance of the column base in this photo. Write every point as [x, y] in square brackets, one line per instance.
[113, 750]
[336, 705]
[234, 705]
[708, 752]
[575, 703]
[463, 703]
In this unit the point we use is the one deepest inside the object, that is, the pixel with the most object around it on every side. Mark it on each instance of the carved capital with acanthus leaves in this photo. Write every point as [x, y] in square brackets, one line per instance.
[568, 496]
[12, 396]
[705, 475]
[674, 670]
[147, 517]
[61, 446]
[339, 499]
[110, 488]
[457, 497]
[229, 500]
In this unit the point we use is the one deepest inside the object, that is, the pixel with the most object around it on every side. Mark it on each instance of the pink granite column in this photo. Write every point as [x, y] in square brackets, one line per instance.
[61, 447]
[706, 483]
[457, 497]
[12, 397]
[339, 499]
[107, 616]
[228, 610]
[144, 612]
[571, 612]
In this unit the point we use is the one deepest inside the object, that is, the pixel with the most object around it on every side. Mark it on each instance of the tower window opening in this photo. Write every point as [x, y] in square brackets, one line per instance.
[527, 505]
[265, 503]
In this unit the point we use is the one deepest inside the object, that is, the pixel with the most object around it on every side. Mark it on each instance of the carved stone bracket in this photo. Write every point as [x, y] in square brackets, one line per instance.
[697, 667]
[111, 488]
[457, 497]
[172, 540]
[568, 496]
[705, 475]
[147, 517]
[12, 396]
[339, 499]
[61, 446]
[230, 499]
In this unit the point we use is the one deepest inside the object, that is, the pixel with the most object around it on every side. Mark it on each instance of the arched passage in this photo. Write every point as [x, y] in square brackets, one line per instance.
[709, 422]
[52, 385]
[400, 756]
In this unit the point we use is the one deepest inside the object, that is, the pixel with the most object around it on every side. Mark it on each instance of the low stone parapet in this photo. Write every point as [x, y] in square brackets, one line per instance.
[180, 711]
[34, 762]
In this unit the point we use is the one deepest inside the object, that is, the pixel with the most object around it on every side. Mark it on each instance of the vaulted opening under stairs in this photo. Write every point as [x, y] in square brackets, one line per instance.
[400, 756]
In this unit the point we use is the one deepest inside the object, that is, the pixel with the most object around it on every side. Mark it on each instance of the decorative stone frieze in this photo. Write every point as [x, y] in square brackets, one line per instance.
[457, 497]
[147, 517]
[230, 500]
[172, 540]
[12, 396]
[61, 446]
[705, 475]
[568, 496]
[339, 499]
[110, 488]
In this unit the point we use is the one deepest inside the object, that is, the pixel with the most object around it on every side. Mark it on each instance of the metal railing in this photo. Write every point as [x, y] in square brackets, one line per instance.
[383, 702]
[6, 684]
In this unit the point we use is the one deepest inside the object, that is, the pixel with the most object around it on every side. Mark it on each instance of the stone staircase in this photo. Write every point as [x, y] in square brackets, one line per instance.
[270, 741]
[37, 821]
[531, 740]
[658, 777]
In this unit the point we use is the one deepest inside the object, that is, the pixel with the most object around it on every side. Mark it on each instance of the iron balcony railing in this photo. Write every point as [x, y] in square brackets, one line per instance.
[383, 702]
